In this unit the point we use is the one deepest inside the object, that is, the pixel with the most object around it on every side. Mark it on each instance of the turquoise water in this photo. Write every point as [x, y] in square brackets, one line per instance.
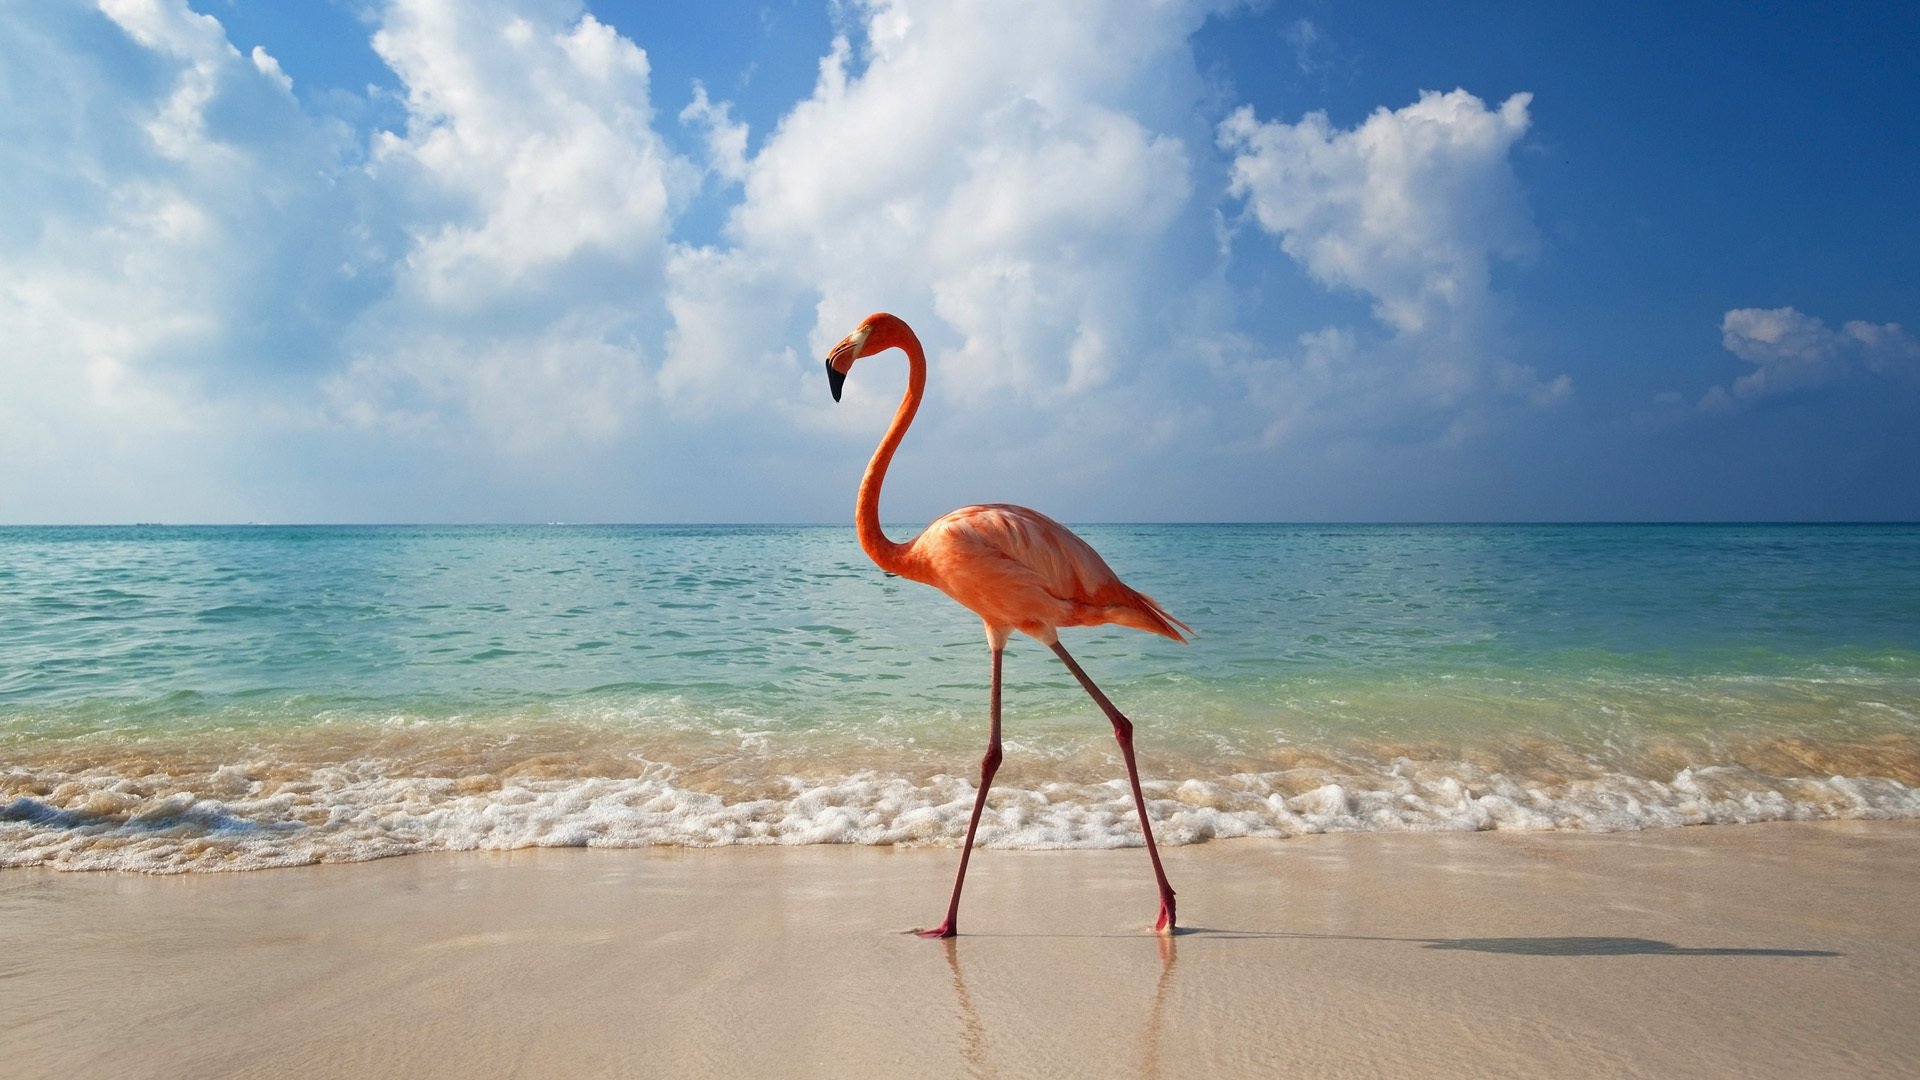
[223, 698]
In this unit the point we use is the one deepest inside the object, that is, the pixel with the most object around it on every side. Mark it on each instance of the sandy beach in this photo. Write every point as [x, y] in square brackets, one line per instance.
[1786, 950]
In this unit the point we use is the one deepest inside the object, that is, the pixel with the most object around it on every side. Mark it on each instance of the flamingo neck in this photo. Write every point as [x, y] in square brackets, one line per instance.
[890, 556]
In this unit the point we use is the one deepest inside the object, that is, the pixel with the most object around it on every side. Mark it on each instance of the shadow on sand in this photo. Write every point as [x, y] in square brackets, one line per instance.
[1527, 946]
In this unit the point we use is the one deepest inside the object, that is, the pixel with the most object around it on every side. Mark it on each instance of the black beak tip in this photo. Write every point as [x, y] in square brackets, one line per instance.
[835, 379]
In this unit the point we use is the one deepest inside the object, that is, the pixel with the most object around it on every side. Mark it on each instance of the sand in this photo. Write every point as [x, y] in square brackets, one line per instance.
[1748, 951]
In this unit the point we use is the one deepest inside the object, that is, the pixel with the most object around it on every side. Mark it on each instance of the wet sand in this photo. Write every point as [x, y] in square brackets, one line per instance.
[1749, 951]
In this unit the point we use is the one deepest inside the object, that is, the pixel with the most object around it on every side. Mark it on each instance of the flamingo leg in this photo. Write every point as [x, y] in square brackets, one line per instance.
[1123, 734]
[989, 764]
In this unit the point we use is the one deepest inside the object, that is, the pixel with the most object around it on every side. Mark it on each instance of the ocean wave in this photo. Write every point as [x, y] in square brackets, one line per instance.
[233, 817]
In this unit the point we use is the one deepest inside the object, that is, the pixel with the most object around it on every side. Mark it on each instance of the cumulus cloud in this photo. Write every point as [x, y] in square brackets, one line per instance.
[1032, 185]
[160, 267]
[500, 268]
[530, 141]
[535, 199]
[1411, 209]
[999, 172]
[726, 137]
[209, 265]
[1792, 351]
[136, 210]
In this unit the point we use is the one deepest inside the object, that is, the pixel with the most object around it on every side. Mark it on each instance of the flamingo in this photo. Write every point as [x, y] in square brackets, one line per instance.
[1015, 568]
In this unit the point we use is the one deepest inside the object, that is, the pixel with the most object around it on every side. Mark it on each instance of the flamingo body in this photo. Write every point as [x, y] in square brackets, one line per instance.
[1019, 569]
[1016, 568]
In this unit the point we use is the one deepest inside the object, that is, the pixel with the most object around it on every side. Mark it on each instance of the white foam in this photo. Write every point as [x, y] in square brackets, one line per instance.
[355, 811]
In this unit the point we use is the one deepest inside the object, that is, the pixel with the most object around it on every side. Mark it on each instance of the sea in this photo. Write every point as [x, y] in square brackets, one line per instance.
[188, 699]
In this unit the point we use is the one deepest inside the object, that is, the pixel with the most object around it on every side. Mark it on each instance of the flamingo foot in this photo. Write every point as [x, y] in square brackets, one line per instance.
[944, 930]
[1165, 925]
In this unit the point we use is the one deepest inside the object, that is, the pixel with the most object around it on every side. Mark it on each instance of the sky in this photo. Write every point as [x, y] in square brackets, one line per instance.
[1172, 260]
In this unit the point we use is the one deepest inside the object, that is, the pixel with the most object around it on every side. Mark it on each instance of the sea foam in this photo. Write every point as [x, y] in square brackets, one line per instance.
[354, 812]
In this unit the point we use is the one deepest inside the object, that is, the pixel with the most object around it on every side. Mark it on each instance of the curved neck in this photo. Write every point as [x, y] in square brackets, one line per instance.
[890, 556]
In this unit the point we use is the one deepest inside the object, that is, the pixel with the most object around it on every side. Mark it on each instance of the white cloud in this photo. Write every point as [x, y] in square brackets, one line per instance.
[728, 344]
[1304, 36]
[536, 198]
[170, 28]
[525, 392]
[726, 137]
[209, 265]
[1794, 351]
[1411, 208]
[1033, 186]
[531, 143]
[162, 249]
[990, 171]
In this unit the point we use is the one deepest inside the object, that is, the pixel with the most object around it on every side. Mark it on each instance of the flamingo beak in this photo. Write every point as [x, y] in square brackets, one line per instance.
[835, 379]
[842, 357]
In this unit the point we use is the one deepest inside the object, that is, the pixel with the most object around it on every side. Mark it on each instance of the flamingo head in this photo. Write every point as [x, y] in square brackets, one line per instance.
[876, 333]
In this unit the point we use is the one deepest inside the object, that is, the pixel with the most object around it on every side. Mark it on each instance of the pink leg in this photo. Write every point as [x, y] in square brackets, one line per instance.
[989, 764]
[1123, 733]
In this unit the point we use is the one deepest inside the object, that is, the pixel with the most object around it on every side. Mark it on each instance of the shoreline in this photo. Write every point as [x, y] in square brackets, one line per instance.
[1785, 949]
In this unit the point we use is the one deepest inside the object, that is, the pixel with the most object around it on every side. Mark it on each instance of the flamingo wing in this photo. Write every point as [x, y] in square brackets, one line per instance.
[1019, 568]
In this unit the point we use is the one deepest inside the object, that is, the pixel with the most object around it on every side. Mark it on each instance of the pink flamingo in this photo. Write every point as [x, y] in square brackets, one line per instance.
[1015, 568]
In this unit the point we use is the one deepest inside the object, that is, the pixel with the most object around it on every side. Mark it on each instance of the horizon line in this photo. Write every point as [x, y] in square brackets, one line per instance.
[1291, 523]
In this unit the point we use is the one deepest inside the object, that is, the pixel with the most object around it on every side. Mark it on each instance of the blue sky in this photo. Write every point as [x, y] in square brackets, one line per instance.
[531, 260]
